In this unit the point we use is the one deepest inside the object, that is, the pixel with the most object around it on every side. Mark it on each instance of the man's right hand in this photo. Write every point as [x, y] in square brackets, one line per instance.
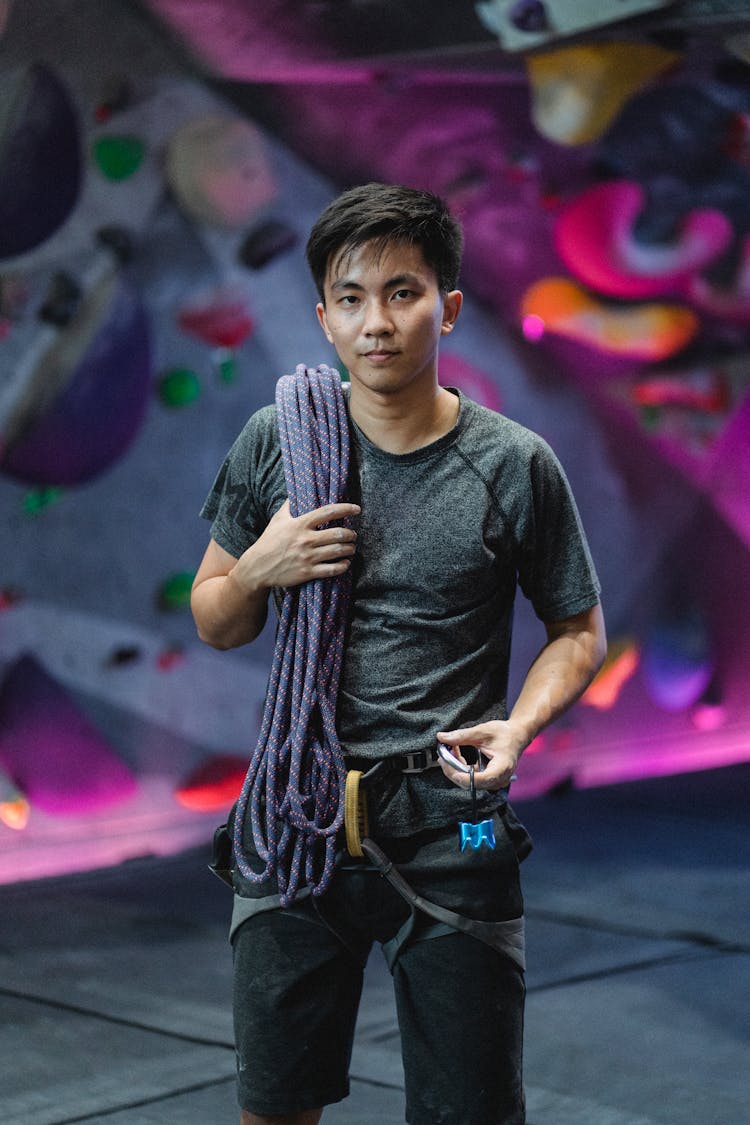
[295, 549]
[230, 596]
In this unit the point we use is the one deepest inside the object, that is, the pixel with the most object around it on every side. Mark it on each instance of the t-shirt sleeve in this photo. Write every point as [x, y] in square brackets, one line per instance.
[556, 570]
[234, 504]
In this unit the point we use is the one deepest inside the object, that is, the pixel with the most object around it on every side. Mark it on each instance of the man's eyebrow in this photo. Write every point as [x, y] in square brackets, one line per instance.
[345, 283]
[391, 283]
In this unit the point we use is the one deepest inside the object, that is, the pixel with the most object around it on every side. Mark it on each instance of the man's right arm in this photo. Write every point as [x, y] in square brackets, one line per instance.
[230, 596]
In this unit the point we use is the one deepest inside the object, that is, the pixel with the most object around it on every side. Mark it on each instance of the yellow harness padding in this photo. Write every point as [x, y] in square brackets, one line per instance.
[356, 824]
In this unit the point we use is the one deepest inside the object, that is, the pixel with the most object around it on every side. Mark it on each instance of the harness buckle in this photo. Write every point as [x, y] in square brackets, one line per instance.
[419, 760]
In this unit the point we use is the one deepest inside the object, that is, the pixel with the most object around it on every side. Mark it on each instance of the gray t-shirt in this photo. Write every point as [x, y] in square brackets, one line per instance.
[446, 534]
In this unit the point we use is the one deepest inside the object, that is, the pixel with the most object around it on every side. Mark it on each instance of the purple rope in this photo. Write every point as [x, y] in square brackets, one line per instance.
[294, 785]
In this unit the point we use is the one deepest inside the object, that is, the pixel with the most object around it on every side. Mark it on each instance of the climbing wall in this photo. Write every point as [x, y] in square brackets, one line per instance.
[153, 289]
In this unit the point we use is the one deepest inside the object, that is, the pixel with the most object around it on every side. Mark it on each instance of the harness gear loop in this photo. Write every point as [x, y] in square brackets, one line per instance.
[356, 822]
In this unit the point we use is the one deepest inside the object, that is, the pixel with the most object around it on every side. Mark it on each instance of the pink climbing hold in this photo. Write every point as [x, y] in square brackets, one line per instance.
[594, 237]
[223, 322]
[456, 372]
[56, 757]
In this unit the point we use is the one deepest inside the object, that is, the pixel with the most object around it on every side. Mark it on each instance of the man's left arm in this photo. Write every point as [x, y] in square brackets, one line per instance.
[571, 657]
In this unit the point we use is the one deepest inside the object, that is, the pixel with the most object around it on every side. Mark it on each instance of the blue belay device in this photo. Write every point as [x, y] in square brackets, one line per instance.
[473, 834]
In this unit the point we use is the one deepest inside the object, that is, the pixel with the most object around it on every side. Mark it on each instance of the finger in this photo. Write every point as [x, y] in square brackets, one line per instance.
[330, 512]
[330, 569]
[331, 535]
[470, 736]
[330, 552]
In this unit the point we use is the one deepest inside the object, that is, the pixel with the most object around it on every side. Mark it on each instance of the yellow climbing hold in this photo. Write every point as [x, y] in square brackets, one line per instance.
[578, 90]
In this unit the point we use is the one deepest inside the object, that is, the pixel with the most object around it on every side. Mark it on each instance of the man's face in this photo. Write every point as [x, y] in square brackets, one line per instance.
[384, 313]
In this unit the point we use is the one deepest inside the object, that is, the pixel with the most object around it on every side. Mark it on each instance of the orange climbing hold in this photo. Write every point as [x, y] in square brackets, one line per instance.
[623, 657]
[648, 332]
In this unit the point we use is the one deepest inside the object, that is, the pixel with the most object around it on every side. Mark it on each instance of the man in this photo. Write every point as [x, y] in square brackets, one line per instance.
[453, 506]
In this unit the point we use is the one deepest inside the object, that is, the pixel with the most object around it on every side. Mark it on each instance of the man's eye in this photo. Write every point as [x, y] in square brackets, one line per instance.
[402, 294]
[348, 300]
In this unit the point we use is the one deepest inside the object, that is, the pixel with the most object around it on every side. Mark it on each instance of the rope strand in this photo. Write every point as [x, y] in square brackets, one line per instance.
[293, 790]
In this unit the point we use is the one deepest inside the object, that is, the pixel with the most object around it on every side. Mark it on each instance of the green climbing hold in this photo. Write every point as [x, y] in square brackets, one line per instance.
[175, 591]
[179, 386]
[651, 417]
[118, 157]
[39, 498]
[226, 365]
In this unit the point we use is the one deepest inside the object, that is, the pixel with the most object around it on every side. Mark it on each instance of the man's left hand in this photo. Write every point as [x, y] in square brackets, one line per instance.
[499, 742]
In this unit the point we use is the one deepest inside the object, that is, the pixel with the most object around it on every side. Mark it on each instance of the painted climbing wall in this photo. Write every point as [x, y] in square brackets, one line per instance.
[153, 289]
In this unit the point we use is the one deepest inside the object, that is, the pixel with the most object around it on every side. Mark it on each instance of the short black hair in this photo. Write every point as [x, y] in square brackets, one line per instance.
[386, 214]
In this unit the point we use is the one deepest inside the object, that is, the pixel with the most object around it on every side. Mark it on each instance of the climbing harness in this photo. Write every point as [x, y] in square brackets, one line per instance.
[293, 789]
[506, 935]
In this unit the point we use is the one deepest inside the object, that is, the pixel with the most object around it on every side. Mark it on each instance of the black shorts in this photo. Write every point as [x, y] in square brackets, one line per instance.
[298, 979]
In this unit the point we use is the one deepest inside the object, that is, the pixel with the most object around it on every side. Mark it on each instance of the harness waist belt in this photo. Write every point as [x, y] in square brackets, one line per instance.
[416, 762]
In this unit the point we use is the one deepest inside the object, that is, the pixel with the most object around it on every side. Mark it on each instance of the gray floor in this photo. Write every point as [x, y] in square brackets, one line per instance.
[114, 985]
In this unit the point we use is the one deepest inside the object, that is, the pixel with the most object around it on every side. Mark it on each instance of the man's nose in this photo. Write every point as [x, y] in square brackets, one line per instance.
[377, 321]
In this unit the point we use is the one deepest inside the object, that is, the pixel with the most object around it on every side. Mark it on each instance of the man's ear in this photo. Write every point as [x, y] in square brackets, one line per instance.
[320, 309]
[451, 308]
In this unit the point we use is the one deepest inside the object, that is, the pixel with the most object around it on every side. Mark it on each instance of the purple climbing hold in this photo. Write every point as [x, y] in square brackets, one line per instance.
[99, 410]
[52, 750]
[40, 143]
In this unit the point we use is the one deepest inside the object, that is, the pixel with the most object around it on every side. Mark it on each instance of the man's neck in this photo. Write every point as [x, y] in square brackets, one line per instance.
[403, 422]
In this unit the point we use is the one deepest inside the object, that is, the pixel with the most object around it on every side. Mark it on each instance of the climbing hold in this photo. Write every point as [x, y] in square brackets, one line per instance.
[223, 322]
[559, 306]
[706, 391]
[118, 157]
[56, 757]
[218, 170]
[265, 243]
[40, 145]
[118, 240]
[37, 499]
[175, 591]
[456, 372]
[102, 367]
[622, 659]
[594, 237]
[214, 785]
[179, 387]
[170, 657]
[9, 596]
[710, 711]
[62, 300]
[14, 808]
[126, 654]
[115, 97]
[225, 362]
[678, 664]
[578, 90]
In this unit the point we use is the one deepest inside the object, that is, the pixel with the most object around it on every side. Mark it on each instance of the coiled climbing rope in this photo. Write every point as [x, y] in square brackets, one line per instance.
[294, 787]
